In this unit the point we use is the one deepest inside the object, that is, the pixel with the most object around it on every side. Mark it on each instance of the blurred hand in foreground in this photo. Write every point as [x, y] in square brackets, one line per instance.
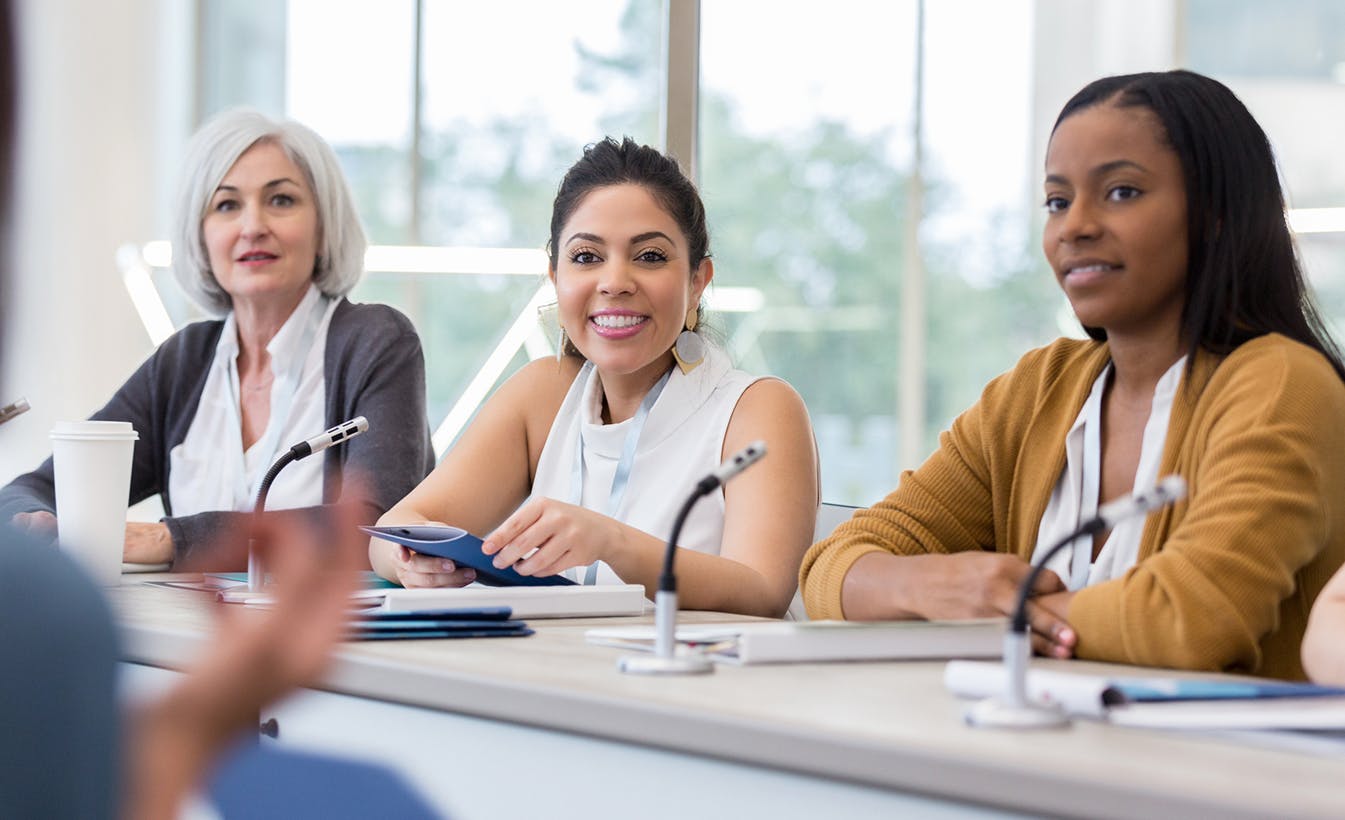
[255, 656]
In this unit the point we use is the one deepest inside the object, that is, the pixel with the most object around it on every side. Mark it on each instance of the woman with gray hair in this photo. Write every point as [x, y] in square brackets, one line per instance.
[268, 241]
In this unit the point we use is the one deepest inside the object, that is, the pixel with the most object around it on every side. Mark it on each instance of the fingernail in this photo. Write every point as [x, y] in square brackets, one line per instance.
[488, 547]
[1066, 635]
[469, 574]
[449, 566]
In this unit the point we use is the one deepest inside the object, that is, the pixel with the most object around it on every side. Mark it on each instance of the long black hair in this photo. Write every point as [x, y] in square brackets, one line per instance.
[1243, 276]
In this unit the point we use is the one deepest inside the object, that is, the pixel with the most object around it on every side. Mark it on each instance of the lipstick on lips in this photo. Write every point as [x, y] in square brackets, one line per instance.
[256, 258]
[617, 324]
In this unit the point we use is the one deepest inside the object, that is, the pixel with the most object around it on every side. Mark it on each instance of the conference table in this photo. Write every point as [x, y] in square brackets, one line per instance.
[545, 726]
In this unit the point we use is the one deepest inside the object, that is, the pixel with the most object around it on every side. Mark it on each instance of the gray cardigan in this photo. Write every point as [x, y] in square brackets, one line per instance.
[373, 368]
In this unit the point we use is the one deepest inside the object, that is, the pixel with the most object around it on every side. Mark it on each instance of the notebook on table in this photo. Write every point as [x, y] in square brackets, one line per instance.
[475, 622]
[814, 641]
[572, 601]
[463, 549]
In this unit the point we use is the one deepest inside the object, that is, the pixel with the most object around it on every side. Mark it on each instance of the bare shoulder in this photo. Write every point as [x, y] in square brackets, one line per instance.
[534, 395]
[770, 400]
[771, 410]
[541, 384]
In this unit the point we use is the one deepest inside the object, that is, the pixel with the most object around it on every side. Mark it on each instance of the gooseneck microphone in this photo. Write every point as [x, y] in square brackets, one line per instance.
[339, 434]
[665, 660]
[1013, 709]
[14, 408]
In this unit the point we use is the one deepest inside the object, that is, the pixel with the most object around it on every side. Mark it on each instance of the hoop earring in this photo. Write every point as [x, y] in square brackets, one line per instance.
[689, 349]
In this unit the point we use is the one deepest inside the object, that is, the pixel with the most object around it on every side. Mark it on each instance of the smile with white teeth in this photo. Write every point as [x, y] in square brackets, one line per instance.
[611, 320]
[1098, 268]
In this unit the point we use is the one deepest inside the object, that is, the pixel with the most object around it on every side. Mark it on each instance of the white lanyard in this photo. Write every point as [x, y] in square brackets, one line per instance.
[621, 478]
[245, 490]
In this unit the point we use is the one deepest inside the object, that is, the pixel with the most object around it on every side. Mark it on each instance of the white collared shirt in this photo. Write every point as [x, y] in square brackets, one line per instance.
[209, 470]
[1075, 498]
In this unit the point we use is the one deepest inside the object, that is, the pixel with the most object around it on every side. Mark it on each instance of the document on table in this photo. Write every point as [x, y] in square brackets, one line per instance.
[812, 641]
[1158, 702]
[576, 601]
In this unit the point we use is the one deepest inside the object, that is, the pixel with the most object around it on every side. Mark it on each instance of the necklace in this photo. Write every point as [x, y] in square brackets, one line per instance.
[257, 388]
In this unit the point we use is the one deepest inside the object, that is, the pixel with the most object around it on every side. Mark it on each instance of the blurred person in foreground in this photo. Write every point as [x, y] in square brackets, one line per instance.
[1324, 641]
[66, 749]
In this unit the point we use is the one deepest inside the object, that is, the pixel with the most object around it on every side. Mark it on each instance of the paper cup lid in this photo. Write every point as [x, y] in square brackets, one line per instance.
[121, 430]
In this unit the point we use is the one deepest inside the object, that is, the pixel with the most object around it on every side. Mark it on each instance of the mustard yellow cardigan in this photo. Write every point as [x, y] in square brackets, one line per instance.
[1224, 580]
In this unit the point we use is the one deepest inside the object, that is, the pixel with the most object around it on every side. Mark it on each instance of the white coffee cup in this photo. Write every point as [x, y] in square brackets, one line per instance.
[92, 462]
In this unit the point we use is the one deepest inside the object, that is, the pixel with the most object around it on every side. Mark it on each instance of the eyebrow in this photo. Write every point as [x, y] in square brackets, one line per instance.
[642, 237]
[1101, 170]
[273, 183]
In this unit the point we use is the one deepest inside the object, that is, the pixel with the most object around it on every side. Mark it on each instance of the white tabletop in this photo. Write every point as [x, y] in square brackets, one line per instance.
[890, 725]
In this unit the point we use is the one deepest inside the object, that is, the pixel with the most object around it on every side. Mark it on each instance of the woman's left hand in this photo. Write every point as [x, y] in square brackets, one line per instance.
[545, 537]
[147, 543]
[1057, 603]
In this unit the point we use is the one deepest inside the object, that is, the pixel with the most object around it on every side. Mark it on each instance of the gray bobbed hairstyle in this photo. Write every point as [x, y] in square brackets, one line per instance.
[212, 152]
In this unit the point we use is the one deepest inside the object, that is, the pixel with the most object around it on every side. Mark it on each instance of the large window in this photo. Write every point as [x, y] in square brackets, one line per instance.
[872, 171]
[823, 126]
[1287, 62]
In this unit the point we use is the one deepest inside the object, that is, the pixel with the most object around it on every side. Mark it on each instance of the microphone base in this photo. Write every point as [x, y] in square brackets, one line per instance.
[256, 573]
[681, 664]
[998, 713]
[243, 596]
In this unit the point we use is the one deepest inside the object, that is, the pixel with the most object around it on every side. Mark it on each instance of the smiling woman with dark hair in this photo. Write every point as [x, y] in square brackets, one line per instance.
[1165, 228]
[580, 465]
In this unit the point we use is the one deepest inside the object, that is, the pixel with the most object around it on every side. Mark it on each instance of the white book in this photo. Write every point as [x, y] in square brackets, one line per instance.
[1087, 695]
[1190, 702]
[527, 602]
[812, 641]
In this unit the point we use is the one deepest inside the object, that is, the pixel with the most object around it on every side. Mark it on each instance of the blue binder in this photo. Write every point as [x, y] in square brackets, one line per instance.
[483, 622]
[463, 549]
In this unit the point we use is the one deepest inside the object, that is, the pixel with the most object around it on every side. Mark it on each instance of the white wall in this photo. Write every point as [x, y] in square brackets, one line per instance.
[104, 110]
[1076, 43]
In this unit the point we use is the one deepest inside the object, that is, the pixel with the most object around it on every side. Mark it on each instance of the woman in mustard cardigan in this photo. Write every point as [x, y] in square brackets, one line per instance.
[1166, 230]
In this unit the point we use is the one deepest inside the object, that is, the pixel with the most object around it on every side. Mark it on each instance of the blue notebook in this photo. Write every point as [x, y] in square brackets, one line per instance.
[463, 549]
[1155, 690]
[476, 622]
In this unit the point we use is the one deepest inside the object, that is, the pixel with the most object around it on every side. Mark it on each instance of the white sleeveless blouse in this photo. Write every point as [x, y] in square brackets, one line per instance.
[682, 441]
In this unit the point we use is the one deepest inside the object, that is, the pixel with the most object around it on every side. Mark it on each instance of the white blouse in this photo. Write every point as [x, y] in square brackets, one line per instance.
[1075, 498]
[682, 440]
[209, 469]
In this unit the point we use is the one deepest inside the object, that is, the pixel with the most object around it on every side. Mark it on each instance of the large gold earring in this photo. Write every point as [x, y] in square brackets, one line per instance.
[689, 349]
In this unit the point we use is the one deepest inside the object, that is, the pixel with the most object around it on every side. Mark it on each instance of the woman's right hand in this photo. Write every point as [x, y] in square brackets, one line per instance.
[415, 570]
[39, 523]
[954, 587]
